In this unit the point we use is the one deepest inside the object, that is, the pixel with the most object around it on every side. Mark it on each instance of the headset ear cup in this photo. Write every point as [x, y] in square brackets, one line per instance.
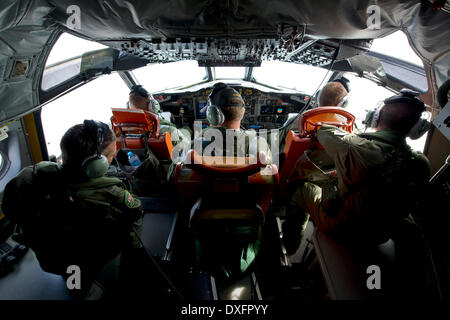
[214, 115]
[375, 119]
[419, 129]
[344, 102]
[95, 167]
[345, 83]
[368, 120]
[153, 106]
[372, 117]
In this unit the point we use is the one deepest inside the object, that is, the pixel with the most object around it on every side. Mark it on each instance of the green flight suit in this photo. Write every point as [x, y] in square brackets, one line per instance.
[378, 178]
[229, 249]
[67, 220]
[151, 174]
[244, 143]
[180, 137]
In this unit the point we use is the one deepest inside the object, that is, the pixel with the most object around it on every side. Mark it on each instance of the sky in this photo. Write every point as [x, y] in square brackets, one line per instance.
[95, 99]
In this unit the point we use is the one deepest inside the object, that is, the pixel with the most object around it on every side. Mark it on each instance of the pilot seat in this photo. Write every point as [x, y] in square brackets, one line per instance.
[138, 131]
[347, 270]
[305, 158]
[227, 198]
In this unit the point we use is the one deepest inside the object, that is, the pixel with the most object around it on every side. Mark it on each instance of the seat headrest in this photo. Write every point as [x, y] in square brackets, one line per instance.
[129, 120]
[330, 115]
[228, 166]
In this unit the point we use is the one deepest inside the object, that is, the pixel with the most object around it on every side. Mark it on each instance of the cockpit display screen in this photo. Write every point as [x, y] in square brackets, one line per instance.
[201, 106]
[266, 110]
[280, 110]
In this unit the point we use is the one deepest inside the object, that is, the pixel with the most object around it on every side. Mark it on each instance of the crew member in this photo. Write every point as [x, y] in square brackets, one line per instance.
[225, 110]
[335, 94]
[73, 214]
[378, 178]
[139, 98]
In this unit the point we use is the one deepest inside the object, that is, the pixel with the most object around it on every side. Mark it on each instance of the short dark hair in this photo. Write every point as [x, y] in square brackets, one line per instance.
[80, 143]
[233, 113]
[400, 117]
[332, 94]
[140, 90]
[139, 97]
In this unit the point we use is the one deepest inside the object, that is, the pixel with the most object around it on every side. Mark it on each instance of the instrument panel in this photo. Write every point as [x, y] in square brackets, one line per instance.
[262, 110]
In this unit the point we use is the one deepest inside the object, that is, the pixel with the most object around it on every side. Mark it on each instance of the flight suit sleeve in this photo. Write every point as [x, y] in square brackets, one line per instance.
[129, 206]
[353, 156]
[423, 167]
[420, 177]
[129, 209]
[18, 196]
[332, 139]
[23, 192]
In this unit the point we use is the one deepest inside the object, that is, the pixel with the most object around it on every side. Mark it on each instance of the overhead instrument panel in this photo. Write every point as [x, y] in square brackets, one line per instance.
[241, 52]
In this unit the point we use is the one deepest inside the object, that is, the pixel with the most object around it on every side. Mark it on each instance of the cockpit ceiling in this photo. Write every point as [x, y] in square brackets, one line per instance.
[188, 24]
[213, 32]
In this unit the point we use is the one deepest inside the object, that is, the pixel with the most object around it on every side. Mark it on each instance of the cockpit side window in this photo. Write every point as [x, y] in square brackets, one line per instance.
[366, 95]
[397, 46]
[93, 100]
[64, 61]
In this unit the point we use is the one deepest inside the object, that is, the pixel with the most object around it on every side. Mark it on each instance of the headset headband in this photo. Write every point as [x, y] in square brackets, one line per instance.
[216, 89]
[224, 96]
[96, 165]
[96, 128]
[407, 96]
[345, 83]
[139, 90]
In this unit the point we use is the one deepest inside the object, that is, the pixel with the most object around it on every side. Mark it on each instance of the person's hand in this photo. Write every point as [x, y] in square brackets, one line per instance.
[318, 126]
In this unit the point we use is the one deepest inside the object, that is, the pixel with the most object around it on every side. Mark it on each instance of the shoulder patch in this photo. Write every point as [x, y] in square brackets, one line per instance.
[129, 200]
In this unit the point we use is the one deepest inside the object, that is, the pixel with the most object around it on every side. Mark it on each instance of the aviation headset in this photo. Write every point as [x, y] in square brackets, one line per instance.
[346, 84]
[97, 165]
[214, 113]
[405, 96]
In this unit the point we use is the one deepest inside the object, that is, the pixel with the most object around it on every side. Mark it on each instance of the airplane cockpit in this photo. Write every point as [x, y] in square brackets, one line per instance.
[264, 109]
[214, 226]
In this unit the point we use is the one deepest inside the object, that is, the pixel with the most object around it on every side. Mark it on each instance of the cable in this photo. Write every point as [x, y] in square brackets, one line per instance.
[161, 271]
[326, 74]
[297, 36]
[291, 120]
